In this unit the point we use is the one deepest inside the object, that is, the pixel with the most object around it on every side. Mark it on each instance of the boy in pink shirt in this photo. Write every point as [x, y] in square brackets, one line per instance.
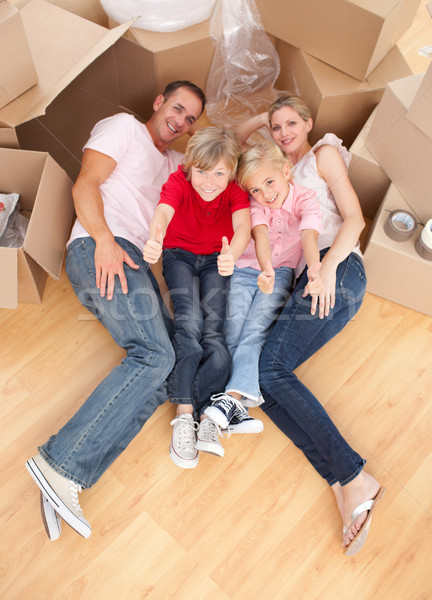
[285, 224]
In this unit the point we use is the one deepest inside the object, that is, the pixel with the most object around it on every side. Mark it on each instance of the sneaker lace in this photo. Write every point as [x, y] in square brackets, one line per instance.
[185, 431]
[227, 401]
[212, 429]
[75, 489]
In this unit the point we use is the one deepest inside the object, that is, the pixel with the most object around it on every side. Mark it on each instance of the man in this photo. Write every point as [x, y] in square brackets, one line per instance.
[123, 168]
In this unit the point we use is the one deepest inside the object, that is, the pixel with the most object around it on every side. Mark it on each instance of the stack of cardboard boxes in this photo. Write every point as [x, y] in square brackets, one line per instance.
[398, 144]
[339, 55]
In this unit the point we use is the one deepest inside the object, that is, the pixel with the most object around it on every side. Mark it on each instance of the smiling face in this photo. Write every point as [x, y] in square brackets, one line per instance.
[173, 117]
[289, 130]
[269, 184]
[212, 182]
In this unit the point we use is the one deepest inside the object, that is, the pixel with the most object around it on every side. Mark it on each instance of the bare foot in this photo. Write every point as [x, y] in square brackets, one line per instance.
[363, 487]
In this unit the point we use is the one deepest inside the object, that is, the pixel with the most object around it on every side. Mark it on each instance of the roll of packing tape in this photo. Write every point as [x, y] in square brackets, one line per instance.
[423, 243]
[400, 225]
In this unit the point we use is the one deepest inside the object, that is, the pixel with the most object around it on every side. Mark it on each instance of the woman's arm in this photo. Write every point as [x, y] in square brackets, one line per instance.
[242, 234]
[332, 169]
[157, 230]
[244, 130]
[109, 256]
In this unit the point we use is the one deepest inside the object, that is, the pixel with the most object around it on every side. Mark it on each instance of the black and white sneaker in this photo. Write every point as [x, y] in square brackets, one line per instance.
[61, 493]
[226, 411]
[51, 520]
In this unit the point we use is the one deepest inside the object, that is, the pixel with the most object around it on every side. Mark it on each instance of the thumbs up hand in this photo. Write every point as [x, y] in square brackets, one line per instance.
[153, 247]
[225, 259]
[266, 279]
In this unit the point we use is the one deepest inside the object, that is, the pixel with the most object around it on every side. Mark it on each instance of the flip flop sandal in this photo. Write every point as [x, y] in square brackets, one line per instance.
[358, 542]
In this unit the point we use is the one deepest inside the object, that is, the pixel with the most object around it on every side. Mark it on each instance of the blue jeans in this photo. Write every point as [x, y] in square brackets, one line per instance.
[120, 405]
[288, 402]
[250, 317]
[198, 295]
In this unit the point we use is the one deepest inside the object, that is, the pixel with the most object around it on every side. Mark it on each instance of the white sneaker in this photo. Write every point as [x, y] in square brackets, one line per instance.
[51, 520]
[61, 493]
[183, 450]
[208, 438]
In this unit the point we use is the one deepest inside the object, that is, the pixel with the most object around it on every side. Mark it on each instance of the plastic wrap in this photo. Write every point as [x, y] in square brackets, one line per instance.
[245, 65]
[13, 225]
[159, 15]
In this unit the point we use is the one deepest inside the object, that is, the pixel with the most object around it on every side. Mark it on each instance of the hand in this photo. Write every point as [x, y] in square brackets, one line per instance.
[266, 279]
[153, 247]
[109, 258]
[327, 296]
[225, 260]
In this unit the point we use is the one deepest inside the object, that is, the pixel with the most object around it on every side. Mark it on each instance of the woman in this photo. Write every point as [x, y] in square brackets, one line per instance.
[298, 334]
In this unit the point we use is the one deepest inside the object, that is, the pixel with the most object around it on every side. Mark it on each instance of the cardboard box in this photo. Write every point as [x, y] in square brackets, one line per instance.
[351, 35]
[184, 54]
[420, 111]
[366, 175]
[46, 198]
[88, 9]
[17, 70]
[79, 83]
[339, 103]
[402, 149]
[394, 270]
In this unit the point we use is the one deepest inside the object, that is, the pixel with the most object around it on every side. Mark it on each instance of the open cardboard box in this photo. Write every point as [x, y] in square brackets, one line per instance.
[184, 54]
[79, 83]
[351, 35]
[366, 174]
[46, 198]
[17, 69]
[339, 103]
[394, 269]
[402, 149]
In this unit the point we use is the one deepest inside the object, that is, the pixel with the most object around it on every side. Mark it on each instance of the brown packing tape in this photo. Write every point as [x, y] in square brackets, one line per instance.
[400, 225]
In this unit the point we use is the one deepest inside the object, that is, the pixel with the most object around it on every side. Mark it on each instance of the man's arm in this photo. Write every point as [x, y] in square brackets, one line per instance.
[109, 256]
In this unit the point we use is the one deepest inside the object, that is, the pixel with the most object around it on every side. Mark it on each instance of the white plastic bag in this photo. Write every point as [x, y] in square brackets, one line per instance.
[245, 65]
[159, 15]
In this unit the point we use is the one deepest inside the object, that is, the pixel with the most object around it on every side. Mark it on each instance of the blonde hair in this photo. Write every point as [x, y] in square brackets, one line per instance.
[252, 159]
[294, 102]
[210, 145]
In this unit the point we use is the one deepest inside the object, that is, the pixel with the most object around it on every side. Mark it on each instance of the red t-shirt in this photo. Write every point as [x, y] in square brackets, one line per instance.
[198, 226]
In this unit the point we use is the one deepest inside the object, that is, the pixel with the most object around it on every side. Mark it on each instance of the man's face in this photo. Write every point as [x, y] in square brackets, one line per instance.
[174, 116]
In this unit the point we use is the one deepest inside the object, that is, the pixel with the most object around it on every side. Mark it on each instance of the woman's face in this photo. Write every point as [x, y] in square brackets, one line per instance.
[289, 130]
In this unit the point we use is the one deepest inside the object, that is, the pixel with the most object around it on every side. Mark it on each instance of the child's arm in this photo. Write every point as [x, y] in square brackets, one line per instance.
[314, 286]
[266, 278]
[157, 230]
[242, 234]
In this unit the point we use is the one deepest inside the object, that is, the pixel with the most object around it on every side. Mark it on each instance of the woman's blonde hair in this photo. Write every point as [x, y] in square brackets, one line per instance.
[294, 102]
[210, 145]
[252, 159]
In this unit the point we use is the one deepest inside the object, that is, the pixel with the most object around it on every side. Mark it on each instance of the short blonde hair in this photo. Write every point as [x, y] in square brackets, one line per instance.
[210, 145]
[294, 102]
[252, 159]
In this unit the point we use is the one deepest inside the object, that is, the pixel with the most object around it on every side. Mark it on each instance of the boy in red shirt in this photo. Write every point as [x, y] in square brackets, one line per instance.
[202, 223]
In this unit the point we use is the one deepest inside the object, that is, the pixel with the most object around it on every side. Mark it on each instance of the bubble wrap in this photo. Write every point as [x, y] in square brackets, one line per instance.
[159, 15]
[245, 65]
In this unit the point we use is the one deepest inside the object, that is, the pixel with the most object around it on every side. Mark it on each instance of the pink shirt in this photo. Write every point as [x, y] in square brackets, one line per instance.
[299, 211]
[132, 191]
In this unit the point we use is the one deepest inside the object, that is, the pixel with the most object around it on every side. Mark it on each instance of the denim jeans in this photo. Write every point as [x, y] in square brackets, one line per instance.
[120, 405]
[288, 402]
[250, 316]
[198, 295]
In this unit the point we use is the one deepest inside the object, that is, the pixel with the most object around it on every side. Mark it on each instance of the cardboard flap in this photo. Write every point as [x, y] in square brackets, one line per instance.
[62, 45]
[51, 219]
[9, 284]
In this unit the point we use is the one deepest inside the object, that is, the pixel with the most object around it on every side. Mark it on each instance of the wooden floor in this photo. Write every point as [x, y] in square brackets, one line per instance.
[258, 524]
